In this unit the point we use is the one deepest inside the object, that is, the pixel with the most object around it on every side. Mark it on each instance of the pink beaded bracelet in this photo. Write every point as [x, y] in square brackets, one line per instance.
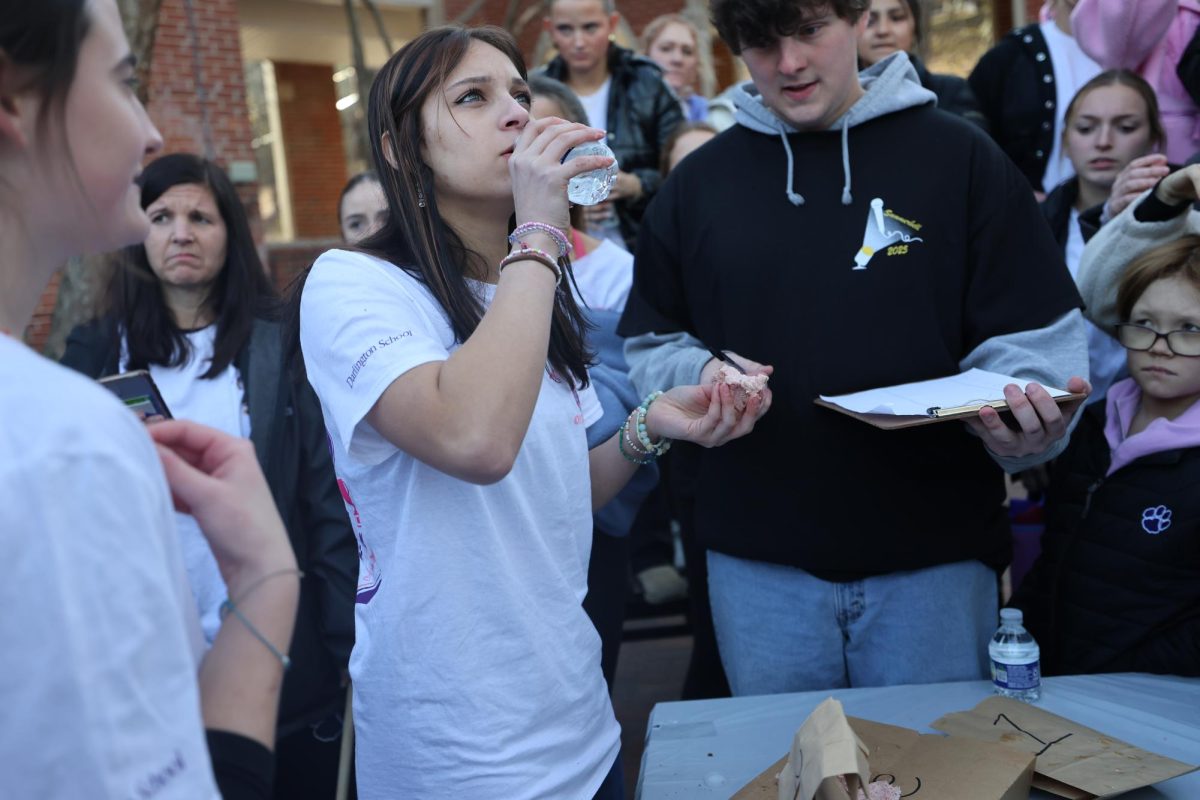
[559, 237]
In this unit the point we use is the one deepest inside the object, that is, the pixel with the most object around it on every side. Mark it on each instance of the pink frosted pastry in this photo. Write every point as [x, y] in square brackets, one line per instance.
[878, 790]
[744, 386]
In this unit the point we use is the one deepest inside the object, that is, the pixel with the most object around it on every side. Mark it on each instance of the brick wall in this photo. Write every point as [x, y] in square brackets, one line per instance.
[312, 142]
[174, 103]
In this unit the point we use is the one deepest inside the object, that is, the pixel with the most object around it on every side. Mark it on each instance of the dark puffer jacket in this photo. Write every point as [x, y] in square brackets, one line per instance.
[1117, 586]
[643, 112]
[1014, 84]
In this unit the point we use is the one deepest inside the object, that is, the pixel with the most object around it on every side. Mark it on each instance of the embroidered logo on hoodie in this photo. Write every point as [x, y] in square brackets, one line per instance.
[1156, 519]
[886, 231]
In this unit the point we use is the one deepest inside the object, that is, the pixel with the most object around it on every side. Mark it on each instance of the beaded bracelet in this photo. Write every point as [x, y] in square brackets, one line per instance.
[559, 237]
[623, 437]
[526, 253]
[664, 444]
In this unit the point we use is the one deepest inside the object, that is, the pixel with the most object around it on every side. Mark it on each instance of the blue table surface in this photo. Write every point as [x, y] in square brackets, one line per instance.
[712, 748]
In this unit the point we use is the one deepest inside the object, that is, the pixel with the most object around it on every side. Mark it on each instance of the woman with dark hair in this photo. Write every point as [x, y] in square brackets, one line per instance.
[192, 305]
[362, 208]
[895, 26]
[104, 690]
[453, 376]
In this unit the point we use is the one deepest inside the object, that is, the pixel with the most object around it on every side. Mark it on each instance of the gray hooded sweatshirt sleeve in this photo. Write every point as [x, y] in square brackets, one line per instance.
[1048, 355]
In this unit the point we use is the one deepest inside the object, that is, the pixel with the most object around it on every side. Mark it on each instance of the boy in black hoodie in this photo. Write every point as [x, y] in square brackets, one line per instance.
[840, 554]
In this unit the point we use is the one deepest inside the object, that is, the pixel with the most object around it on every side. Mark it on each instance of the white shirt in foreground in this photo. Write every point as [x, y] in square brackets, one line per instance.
[476, 671]
[100, 640]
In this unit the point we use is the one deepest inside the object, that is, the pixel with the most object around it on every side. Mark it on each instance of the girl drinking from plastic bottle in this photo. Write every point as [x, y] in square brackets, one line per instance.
[450, 365]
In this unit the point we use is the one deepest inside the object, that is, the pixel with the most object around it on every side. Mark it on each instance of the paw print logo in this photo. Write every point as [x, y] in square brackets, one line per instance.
[1156, 519]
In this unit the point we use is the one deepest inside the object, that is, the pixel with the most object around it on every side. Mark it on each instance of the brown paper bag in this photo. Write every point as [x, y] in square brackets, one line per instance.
[939, 767]
[824, 748]
[1072, 761]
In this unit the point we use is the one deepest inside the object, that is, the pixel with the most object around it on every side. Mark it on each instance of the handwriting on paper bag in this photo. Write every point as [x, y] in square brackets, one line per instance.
[1045, 745]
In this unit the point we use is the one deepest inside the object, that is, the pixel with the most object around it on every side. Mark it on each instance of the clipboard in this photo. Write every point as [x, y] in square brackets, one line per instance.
[935, 415]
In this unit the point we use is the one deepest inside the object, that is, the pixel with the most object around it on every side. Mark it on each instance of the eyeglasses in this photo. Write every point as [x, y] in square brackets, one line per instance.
[1140, 337]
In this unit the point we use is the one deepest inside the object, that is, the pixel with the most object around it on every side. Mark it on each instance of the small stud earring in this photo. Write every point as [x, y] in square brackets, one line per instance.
[420, 198]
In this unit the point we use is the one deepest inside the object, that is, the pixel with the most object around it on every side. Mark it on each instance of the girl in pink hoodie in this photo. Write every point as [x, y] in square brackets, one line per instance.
[1148, 37]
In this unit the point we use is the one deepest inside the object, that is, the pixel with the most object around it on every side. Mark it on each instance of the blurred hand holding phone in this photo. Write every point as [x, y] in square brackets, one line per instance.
[139, 393]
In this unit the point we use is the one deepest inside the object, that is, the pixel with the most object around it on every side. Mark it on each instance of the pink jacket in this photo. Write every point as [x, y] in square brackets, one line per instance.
[1149, 37]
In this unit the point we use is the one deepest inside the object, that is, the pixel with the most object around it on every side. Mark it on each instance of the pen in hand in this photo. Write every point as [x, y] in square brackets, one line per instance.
[723, 357]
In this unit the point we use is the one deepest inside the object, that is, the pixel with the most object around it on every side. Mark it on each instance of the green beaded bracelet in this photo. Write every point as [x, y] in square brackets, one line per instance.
[664, 444]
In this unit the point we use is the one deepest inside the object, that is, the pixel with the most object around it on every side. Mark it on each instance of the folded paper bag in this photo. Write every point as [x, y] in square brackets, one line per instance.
[1072, 761]
[928, 766]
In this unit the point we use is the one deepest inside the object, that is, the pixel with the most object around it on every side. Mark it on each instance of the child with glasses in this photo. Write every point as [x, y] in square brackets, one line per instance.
[1117, 586]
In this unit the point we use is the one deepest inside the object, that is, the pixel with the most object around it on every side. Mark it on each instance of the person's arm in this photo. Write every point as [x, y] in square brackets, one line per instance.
[331, 564]
[702, 414]
[1159, 216]
[467, 415]
[216, 478]
[1120, 34]
[1049, 356]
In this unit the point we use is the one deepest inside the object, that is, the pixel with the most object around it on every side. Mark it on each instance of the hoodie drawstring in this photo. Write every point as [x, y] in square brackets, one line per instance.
[847, 199]
[795, 198]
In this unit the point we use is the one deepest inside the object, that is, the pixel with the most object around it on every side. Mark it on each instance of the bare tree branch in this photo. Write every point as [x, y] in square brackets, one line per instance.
[140, 18]
[538, 9]
[375, 15]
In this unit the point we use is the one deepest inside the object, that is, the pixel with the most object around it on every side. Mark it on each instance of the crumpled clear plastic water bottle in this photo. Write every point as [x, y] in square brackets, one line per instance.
[1016, 659]
[591, 187]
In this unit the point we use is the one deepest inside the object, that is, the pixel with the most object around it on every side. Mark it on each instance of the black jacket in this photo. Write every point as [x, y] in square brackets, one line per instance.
[953, 93]
[1108, 594]
[643, 112]
[778, 283]
[1056, 208]
[289, 438]
[1014, 83]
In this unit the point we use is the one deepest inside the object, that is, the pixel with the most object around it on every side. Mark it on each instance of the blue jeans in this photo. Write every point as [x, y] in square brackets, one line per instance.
[779, 629]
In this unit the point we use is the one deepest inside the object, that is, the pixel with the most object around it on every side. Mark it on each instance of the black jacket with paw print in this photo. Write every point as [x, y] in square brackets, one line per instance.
[1117, 586]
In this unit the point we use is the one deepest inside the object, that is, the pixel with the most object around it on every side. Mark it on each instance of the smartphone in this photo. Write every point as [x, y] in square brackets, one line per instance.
[137, 390]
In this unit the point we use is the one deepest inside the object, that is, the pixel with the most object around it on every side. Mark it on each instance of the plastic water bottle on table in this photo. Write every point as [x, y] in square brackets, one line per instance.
[1016, 659]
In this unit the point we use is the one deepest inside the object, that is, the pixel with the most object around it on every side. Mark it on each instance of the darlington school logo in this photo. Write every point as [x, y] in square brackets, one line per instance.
[886, 231]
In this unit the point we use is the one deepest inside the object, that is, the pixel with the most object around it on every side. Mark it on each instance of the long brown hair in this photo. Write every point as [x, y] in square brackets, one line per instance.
[416, 237]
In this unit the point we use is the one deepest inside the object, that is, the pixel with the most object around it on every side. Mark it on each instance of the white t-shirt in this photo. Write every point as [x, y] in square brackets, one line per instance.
[1072, 69]
[604, 276]
[596, 105]
[218, 403]
[100, 640]
[476, 671]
